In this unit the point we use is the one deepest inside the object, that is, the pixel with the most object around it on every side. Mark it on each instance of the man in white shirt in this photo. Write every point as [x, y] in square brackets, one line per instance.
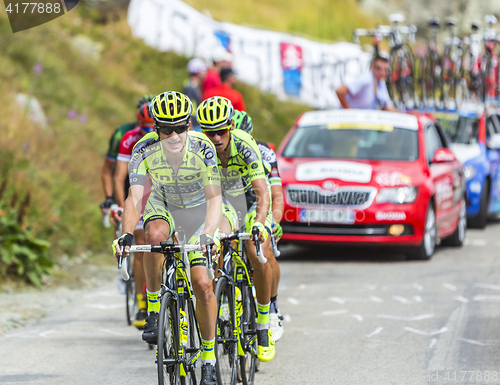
[368, 91]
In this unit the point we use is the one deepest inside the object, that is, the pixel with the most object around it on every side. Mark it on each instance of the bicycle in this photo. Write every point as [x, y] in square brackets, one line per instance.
[470, 73]
[429, 78]
[236, 337]
[400, 80]
[179, 337]
[453, 87]
[489, 63]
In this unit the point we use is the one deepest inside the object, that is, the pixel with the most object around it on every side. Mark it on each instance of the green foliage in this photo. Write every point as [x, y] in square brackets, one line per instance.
[21, 254]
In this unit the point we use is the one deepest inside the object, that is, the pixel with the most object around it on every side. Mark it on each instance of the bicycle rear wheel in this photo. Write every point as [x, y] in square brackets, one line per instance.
[226, 345]
[248, 335]
[168, 343]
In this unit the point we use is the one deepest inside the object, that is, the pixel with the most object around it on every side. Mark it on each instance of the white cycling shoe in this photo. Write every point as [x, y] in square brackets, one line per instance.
[276, 325]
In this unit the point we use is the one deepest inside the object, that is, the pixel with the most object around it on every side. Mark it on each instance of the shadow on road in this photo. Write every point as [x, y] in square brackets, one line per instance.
[296, 253]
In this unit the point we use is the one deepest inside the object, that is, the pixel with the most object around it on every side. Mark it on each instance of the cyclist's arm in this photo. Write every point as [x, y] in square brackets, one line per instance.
[342, 93]
[214, 209]
[131, 215]
[121, 173]
[278, 204]
[107, 177]
[259, 186]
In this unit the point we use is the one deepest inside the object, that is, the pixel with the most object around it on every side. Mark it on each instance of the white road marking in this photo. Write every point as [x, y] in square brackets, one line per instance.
[415, 286]
[487, 298]
[106, 293]
[418, 286]
[449, 286]
[47, 332]
[334, 312]
[112, 332]
[399, 318]
[400, 299]
[293, 301]
[475, 242]
[287, 318]
[487, 286]
[479, 242]
[424, 333]
[473, 342]
[433, 343]
[337, 300]
[376, 299]
[302, 286]
[358, 317]
[368, 287]
[417, 298]
[376, 331]
[105, 307]
[461, 299]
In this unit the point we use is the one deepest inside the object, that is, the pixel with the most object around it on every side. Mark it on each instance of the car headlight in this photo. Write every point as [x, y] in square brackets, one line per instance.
[397, 195]
[469, 172]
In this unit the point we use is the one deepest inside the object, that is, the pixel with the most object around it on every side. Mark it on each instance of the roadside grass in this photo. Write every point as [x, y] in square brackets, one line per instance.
[328, 20]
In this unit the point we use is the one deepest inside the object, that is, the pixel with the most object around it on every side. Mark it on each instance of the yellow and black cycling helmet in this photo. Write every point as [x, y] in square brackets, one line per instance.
[214, 113]
[171, 107]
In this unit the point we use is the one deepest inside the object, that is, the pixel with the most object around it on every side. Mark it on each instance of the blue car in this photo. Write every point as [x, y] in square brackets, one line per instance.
[475, 137]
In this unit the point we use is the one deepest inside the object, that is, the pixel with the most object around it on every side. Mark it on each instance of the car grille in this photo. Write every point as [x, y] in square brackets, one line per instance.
[354, 230]
[342, 197]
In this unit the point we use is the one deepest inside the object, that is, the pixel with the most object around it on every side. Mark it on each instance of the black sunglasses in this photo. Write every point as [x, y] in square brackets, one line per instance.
[170, 129]
[217, 132]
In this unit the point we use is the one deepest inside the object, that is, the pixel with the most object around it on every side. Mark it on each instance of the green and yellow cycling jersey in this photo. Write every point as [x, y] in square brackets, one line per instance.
[184, 188]
[244, 165]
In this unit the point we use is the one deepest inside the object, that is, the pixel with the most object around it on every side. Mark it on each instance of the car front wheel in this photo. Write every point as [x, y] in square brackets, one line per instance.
[457, 238]
[428, 245]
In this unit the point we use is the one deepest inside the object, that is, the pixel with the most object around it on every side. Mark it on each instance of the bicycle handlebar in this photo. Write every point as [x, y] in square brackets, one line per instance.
[255, 238]
[123, 267]
[165, 247]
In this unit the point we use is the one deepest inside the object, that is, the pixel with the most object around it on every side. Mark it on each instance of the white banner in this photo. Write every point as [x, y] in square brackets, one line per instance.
[279, 63]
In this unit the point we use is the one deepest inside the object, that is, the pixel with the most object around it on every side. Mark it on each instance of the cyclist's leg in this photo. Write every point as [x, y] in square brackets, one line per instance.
[158, 225]
[262, 278]
[275, 317]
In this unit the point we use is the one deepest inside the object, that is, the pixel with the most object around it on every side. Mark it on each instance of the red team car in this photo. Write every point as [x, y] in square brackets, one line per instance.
[371, 177]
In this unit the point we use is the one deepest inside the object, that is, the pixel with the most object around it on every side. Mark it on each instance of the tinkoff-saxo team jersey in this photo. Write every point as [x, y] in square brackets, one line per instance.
[270, 163]
[115, 140]
[244, 165]
[184, 188]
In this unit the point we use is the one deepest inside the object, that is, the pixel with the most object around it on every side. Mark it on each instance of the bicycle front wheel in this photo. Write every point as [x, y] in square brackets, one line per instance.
[248, 336]
[168, 343]
[130, 294]
[226, 344]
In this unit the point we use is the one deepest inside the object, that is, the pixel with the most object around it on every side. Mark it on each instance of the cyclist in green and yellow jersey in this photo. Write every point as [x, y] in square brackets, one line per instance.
[182, 166]
[242, 171]
[244, 122]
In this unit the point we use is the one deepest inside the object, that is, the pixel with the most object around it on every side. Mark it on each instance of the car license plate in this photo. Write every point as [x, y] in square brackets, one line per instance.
[327, 216]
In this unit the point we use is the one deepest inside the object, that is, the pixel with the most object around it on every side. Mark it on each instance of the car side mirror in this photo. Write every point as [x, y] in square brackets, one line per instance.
[493, 142]
[443, 155]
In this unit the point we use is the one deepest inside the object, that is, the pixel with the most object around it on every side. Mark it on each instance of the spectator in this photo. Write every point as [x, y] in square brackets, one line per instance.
[225, 90]
[369, 90]
[197, 69]
[222, 59]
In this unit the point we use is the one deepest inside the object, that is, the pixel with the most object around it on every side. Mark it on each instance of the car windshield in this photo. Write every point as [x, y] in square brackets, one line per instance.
[461, 129]
[379, 143]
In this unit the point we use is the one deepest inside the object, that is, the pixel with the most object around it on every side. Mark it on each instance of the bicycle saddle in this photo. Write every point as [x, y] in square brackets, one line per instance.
[434, 22]
[451, 21]
[397, 17]
[475, 26]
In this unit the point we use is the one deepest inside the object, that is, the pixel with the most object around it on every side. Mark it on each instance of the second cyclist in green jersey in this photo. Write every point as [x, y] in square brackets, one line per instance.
[242, 170]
